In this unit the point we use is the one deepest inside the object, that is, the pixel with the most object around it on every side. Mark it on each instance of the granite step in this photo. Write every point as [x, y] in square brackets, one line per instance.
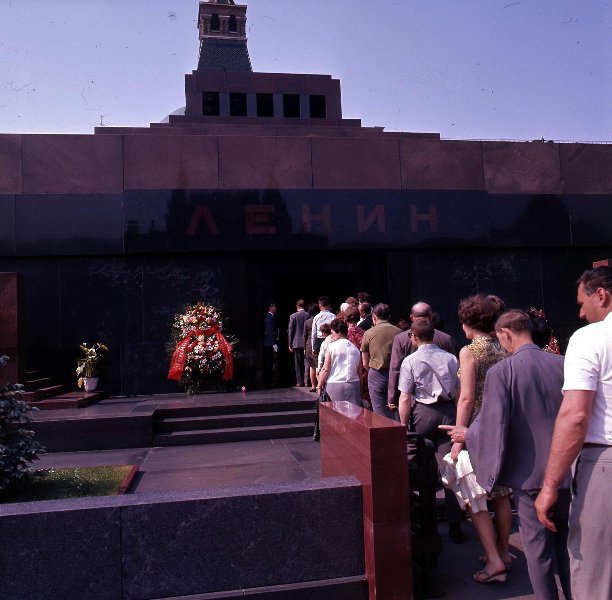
[70, 400]
[42, 393]
[238, 420]
[232, 434]
[36, 383]
[236, 408]
[340, 588]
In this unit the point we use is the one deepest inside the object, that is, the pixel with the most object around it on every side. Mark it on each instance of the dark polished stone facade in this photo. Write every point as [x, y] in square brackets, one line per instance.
[176, 221]
[116, 267]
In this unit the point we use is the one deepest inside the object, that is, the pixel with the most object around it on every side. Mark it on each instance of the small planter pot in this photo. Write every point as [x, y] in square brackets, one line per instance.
[90, 384]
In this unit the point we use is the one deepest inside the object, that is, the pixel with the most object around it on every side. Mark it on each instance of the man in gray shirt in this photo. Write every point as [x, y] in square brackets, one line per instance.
[403, 345]
[428, 385]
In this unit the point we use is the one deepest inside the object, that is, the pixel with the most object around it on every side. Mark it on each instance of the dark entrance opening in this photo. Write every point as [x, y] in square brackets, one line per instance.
[287, 277]
[337, 286]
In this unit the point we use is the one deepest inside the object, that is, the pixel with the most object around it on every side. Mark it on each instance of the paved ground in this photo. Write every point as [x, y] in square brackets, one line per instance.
[205, 466]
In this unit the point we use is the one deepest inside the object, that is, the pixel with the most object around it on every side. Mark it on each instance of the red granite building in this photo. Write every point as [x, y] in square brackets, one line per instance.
[262, 190]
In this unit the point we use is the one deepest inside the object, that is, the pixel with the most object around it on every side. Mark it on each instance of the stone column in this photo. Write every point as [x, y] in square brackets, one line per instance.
[12, 331]
[372, 448]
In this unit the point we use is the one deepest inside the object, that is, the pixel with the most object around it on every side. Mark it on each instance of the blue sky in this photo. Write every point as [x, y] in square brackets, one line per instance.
[467, 69]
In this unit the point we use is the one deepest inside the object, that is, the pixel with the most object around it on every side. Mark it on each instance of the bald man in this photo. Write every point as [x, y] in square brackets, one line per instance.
[403, 345]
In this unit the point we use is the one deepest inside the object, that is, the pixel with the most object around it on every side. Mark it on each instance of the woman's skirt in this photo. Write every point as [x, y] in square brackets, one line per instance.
[348, 391]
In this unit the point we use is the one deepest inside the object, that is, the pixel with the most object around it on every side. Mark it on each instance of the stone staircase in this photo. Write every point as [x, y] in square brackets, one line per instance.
[39, 387]
[41, 392]
[241, 421]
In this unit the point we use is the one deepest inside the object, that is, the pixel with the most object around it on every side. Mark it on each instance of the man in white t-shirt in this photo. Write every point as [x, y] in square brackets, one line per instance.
[583, 430]
[324, 316]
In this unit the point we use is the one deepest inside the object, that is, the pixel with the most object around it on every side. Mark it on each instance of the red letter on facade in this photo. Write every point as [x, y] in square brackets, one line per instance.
[364, 223]
[324, 218]
[258, 219]
[200, 213]
[431, 217]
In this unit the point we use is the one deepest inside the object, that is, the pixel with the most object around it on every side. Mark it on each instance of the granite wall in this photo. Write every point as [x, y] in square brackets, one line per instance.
[286, 540]
[346, 158]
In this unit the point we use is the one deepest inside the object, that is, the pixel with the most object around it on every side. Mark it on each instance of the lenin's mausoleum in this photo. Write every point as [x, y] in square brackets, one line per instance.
[258, 190]
[262, 191]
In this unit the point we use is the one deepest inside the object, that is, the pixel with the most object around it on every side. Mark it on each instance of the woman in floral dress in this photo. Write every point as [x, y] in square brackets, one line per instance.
[477, 315]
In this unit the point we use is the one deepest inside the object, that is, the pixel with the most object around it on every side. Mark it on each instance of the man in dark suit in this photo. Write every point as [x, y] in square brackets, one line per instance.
[403, 345]
[270, 344]
[365, 312]
[296, 340]
[509, 442]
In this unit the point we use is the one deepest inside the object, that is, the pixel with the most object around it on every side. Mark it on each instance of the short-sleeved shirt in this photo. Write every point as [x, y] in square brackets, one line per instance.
[588, 366]
[429, 375]
[325, 316]
[345, 359]
[322, 351]
[378, 341]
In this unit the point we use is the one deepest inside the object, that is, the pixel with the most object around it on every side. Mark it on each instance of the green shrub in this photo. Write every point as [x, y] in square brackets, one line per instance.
[17, 445]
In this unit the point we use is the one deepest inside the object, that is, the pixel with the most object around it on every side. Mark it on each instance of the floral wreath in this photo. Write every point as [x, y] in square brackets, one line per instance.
[199, 349]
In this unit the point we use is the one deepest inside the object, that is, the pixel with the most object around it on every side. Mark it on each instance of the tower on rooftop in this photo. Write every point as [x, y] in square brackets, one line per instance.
[223, 41]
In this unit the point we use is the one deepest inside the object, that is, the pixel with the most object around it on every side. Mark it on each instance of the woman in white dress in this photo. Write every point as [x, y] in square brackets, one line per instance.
[341, 370]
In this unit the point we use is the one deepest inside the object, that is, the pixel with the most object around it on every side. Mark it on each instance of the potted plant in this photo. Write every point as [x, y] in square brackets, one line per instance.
[88, 368]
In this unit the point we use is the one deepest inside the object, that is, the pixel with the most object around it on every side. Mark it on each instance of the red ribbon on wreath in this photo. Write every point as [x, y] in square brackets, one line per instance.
[188, 343]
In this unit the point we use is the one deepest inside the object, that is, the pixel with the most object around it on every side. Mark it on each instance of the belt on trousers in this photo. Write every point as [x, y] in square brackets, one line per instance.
[591, 445]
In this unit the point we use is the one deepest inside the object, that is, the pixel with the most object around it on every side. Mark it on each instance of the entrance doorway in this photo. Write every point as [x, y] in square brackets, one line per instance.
[336, 275]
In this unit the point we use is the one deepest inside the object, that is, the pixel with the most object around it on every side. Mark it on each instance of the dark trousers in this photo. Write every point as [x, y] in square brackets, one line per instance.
[268, 365]
[298, 357]
[378, 384]
[544, 549]
[424, 420]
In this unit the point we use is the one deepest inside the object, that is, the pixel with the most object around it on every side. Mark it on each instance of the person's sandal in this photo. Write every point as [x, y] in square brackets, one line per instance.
[485, 577]
[507, 564]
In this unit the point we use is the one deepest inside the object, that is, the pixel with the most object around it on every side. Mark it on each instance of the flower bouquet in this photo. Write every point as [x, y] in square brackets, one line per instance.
[200, 352]
[88, 367]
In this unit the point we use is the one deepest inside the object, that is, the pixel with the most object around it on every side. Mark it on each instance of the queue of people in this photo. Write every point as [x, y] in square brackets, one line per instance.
[506, 414]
